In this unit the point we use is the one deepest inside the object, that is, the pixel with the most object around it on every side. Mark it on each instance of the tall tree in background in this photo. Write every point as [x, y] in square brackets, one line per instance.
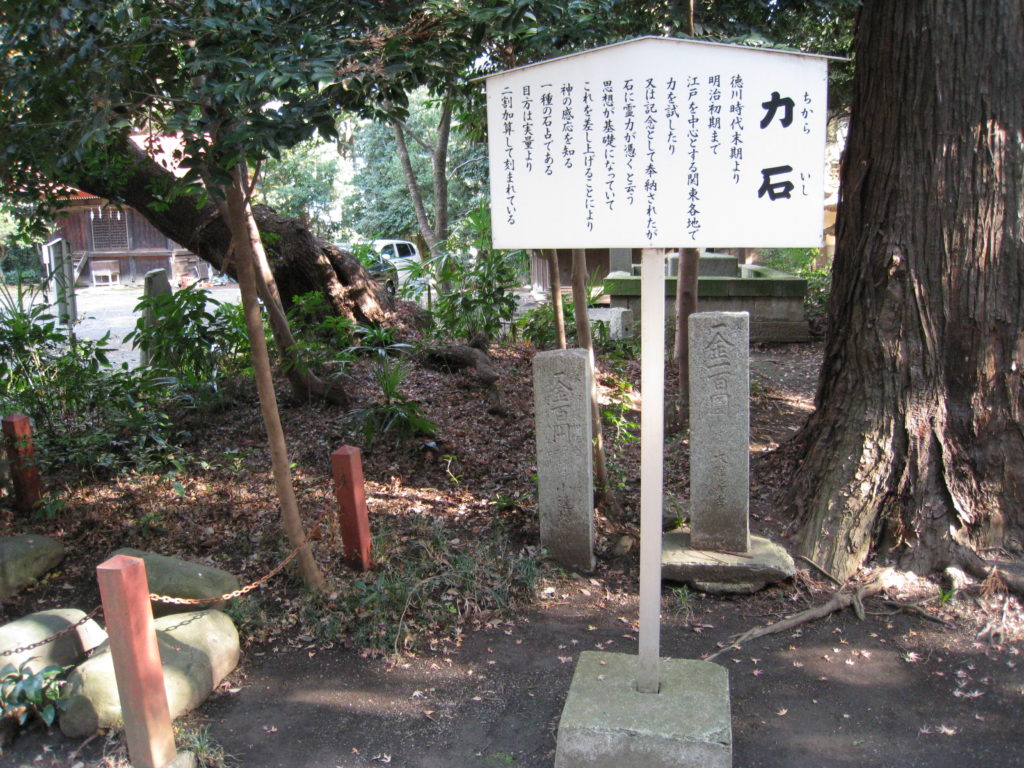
[303, 184]
[386, 203]
[916, 447]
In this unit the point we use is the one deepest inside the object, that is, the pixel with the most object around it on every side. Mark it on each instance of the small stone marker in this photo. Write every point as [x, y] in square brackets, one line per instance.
[561, 385]
[719, 431]
[140, 679]
[21, 455]
[155, 283]
[353, 517]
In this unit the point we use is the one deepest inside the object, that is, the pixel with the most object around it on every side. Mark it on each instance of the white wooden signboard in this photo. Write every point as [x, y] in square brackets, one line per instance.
[657, 142]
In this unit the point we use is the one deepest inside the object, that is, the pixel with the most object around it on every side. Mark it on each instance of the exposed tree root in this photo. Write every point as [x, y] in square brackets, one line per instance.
[458, 357]
[841, 598]
[972, 563]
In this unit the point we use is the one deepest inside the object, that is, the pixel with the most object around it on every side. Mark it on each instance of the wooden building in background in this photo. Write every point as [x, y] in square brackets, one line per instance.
[114, 245]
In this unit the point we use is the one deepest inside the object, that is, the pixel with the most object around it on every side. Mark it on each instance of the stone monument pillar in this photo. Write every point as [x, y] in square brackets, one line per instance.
[155, 283]
[719, 431]
[718, 554]
[561, 385]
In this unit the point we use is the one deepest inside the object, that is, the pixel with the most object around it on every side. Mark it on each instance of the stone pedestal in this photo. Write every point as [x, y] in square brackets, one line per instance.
[720, 573]
[607, 723]
[720, 430]
[562, 383]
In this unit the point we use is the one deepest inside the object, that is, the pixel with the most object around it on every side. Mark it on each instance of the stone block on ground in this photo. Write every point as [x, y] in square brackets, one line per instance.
[23, 559]
[66, 650]
[607, 723]
[562, 384]
[174, 577]
[197, 651]
[765, 562]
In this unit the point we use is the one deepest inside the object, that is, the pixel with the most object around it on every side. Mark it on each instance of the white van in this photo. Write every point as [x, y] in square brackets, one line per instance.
[401, 253]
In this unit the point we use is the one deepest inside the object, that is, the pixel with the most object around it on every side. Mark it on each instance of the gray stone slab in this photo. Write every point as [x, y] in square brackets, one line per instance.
[562, 384]
[718, 265]
[197, 651]
[23, 559]
[720, 573]
[620, 260]
[720, 430]
[155, 283]
[619, 321]
[607, 723]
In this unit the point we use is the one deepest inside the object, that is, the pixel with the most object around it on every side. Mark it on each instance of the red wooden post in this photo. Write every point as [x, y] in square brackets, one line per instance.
[347, 468]
[140, 678]
[21, 455]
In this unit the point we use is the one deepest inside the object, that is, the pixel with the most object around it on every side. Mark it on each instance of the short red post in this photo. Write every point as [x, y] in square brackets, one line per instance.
[140, 678]
[347, 468]
[21, 455]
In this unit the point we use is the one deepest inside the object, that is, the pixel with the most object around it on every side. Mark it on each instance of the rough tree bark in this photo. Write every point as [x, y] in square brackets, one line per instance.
[300, 262]
[917, 444]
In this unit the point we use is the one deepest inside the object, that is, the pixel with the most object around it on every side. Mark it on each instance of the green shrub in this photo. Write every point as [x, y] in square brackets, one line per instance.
[26, 695]
[425, 587]
[195, 341]
[800, 262]
[477, 294]
[395, 415]
[85, 413]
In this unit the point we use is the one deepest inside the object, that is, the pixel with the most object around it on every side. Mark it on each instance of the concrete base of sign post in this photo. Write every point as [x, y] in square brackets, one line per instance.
[723, 572]
[183, 760]
[607, 723]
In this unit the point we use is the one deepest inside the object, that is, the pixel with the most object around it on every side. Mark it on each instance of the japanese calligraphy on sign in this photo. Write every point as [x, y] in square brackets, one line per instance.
[658, 142]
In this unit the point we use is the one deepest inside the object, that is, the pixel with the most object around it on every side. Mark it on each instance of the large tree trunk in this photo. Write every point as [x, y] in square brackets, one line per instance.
[917, 444]
[300, 262]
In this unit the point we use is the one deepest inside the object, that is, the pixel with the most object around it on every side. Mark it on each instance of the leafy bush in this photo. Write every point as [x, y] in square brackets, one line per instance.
[325, 341]
[477, 294]
[86, 413]
[27, 695]
[195, 340]
[537, 325]
[800, 262]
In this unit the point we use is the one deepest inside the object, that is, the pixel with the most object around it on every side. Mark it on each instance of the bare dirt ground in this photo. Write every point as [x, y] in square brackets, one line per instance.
[927, 679]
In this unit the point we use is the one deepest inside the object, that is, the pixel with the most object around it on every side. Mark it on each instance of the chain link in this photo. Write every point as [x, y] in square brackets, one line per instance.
[51, 638]
[167, 600]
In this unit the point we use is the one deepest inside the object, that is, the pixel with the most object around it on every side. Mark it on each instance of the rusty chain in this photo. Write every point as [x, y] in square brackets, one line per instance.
[51, 638]
[167, 600]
